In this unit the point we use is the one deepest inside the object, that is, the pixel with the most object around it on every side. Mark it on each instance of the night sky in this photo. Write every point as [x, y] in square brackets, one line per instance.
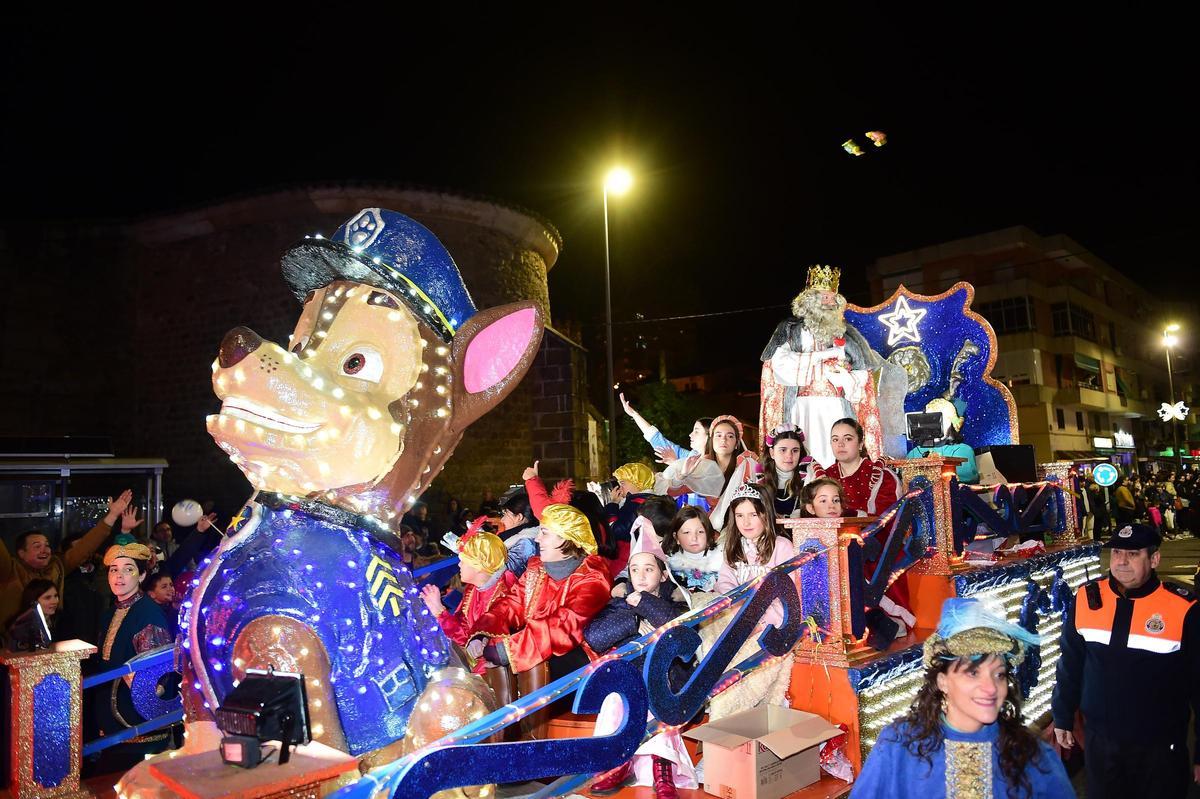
[1078, 125]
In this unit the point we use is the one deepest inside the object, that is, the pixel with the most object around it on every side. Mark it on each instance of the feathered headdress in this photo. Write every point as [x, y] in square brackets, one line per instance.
[563, 489]
[968, 627]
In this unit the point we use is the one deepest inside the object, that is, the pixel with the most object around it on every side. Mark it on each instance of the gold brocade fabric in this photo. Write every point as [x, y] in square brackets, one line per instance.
[968, 770]
[117, 619]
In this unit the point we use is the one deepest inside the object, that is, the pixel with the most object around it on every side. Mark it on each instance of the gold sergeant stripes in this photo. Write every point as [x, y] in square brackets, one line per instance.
[384, 587]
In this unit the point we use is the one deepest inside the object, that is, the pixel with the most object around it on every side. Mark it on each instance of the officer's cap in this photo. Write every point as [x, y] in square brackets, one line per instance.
[1133, 536]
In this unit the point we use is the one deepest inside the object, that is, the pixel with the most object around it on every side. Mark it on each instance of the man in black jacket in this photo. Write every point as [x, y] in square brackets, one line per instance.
[1131, 663]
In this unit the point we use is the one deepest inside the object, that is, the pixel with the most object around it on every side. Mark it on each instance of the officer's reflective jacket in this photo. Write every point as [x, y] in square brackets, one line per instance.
[1133, 664]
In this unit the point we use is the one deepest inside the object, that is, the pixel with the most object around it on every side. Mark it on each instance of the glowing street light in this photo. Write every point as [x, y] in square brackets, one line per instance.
[1169, 340]
[616, 182]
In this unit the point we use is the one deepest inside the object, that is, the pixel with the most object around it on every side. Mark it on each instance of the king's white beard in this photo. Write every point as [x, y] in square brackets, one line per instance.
[825, 324]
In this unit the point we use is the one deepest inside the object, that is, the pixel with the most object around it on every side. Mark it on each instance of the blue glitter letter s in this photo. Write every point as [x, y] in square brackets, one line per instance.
[681, 642]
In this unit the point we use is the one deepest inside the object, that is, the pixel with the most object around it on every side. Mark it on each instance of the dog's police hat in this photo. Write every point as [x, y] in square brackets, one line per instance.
[387, 250]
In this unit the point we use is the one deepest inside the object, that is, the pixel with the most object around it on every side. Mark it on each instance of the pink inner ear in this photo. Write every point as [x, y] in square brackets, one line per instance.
[496, 350]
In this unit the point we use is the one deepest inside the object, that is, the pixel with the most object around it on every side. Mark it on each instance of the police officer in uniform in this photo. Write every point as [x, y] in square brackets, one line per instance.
[1131, 662]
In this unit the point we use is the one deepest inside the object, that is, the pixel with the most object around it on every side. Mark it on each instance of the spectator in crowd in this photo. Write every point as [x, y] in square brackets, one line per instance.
[409, 544]
[417, 520]
[39, 591]
[1098, 502]
[35, 559]
[163, 538]
[458, 518]
[160, 587]
[85, 596]
[1125, 505]
[489, 505]
[194, 546]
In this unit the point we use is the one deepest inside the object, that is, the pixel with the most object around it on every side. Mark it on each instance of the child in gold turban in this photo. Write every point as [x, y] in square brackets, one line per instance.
[481, 565]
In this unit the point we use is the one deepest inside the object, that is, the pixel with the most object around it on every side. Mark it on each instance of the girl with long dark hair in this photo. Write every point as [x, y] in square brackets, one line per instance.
[786, 469]
[964, 735]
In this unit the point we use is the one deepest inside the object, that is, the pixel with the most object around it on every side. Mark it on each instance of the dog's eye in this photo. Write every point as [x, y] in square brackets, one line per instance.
[364, 364]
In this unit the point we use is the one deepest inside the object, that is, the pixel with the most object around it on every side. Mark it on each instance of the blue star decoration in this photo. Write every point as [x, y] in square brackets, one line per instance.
[902, 322]
[938, 326]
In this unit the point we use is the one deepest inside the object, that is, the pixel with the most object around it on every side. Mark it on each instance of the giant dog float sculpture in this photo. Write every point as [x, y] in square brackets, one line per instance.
[339, 432]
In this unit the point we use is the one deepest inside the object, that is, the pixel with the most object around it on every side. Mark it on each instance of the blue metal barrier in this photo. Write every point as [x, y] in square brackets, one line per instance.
[147, 670]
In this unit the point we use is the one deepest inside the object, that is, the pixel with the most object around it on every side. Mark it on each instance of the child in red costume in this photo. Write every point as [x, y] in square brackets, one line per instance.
[481, 559]
[870, 487]
[542, 618]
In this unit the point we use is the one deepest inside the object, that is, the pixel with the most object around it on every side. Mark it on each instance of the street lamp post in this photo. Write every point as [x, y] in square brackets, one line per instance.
[617, 182]
[1170, 340]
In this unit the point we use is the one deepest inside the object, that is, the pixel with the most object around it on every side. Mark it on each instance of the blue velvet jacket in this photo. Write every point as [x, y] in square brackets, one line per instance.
[966, 764]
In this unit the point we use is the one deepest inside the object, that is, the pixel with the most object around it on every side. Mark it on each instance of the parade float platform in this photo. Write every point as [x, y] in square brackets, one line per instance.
[835, 675]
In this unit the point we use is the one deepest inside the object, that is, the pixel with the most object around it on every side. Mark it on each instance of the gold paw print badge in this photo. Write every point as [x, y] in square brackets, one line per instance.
[385, 588]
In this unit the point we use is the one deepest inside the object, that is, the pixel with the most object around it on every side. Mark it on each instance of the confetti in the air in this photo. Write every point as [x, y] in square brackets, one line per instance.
[851, 146]
[877, 136]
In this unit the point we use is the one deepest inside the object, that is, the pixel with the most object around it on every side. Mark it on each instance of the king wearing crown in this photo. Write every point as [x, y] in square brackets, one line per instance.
[817, 369]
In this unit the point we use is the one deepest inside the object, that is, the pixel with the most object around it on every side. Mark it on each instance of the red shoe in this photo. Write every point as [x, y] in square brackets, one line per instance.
[664, 779]
[613, 781]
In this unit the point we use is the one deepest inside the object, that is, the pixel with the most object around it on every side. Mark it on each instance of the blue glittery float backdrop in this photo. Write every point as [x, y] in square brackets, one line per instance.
[946, 322]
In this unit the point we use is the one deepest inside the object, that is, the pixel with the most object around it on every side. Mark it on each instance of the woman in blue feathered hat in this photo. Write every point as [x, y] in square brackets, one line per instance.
[964, 736]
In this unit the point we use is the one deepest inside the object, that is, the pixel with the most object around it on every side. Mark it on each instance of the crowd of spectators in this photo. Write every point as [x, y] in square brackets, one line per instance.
[1163, 500]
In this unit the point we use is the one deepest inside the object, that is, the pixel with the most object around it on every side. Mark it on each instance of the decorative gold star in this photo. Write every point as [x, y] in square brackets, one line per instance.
[237, 520]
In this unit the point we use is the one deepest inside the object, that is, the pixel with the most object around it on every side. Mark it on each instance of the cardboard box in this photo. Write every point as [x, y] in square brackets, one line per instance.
[764, 753]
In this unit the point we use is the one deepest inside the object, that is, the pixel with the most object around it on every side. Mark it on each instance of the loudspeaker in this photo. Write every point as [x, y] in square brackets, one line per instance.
[1017, 463]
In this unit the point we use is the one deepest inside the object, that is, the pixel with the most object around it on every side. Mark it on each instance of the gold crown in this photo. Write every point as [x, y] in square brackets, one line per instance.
[823, 278]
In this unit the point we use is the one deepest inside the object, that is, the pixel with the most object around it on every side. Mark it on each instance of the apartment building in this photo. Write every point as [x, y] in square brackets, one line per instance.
[1079, 343]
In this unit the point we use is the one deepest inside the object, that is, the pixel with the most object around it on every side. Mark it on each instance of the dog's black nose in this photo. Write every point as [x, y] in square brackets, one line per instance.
[237, 344]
